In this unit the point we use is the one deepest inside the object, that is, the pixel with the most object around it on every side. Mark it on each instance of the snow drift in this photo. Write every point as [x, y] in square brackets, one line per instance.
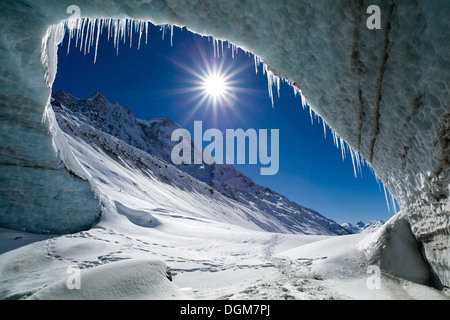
[385, 92]
[136, 279]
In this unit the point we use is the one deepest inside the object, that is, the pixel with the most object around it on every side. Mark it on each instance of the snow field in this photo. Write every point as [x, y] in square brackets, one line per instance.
[128, 279]
[121, 260]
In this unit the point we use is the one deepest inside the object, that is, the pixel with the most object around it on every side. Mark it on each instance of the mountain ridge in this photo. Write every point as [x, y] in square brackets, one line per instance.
[153, 136]
[361, 227]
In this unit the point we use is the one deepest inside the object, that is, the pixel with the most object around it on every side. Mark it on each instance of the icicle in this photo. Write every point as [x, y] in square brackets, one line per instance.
[342, 142]
[256, 63]
[394, 207]
[99, 28]
[303, 100]
[335, 139]
[353, 156]
[360, 161]
[76, 35]
[269, 83]
[387, 199]
[91, 35]
[278, 85]
[216, 47]
[116, 34]
[140, 34]
[109, 28]
[129, 27]
[87, 35]
[88, 42]
[123, 29]
[215, 43]
[82, 34]
[70, 35]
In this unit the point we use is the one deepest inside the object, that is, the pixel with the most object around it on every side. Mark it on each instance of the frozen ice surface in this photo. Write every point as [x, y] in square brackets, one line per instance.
[385, 92]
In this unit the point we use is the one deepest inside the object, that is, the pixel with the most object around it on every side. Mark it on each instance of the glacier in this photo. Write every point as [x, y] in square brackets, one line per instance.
[384, 92]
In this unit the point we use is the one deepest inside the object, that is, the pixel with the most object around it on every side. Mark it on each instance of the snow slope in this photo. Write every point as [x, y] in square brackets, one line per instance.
[360, 226]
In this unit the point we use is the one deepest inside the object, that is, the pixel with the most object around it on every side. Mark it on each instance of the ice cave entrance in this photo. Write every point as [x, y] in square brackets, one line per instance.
[156, 71]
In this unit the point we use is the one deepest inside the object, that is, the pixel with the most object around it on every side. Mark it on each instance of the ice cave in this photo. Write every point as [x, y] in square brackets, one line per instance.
[384, 91]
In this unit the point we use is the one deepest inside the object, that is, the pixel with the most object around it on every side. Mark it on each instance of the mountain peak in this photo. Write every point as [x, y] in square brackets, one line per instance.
[62, 95]
[97, 96]
[363, 227]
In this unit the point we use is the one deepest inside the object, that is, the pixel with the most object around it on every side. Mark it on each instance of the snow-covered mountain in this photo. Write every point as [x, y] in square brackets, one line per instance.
[362, 227]
[146, 145]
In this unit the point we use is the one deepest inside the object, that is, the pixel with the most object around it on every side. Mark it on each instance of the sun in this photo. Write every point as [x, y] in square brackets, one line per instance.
[212, 83]
[215, 86]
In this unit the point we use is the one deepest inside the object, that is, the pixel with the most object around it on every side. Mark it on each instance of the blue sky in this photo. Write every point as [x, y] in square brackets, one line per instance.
[158, 81]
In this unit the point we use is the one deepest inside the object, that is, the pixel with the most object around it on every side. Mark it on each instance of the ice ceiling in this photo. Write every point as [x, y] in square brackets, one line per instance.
[385, 92]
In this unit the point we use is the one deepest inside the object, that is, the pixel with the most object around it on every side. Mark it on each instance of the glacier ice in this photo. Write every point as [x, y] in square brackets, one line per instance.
[144, 148]
[384, 92]
[135, 279]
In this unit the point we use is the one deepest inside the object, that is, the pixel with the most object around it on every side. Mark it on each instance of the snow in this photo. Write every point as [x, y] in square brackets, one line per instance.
[344, 264]
[383, 92]
[398, 251]
[136, 279]
[217, 262]
[153, 219]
